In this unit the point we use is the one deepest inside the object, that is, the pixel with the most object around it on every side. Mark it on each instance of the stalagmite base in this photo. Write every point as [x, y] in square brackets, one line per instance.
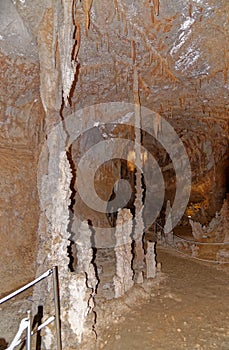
[123, 279]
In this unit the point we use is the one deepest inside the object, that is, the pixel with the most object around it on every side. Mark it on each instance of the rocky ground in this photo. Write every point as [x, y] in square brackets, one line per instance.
[185, 307]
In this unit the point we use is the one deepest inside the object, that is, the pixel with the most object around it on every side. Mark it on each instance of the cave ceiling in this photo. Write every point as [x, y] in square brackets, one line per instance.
[180, 49]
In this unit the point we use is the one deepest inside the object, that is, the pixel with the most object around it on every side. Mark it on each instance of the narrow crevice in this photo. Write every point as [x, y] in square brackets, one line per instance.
[94, 252]
[94, 291]
[71, 248]
[72, 255]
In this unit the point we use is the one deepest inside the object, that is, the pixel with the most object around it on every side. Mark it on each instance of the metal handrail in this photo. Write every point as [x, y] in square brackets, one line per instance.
[56, 318]
[25, 287]
[193, 242]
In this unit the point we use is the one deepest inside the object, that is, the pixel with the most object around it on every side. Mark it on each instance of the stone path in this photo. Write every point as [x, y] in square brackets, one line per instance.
[189, 310]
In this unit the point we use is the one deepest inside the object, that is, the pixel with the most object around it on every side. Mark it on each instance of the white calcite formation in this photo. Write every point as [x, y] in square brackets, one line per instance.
[123, 279]
[138, 262]
[197, 230]
[150, 260]
[76, 288]
[168, 228]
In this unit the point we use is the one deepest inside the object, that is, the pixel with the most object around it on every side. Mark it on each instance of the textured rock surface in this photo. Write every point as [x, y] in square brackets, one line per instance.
[82, 52]
[123, 279]
[18, 217]
[150, 260]
[21, 126]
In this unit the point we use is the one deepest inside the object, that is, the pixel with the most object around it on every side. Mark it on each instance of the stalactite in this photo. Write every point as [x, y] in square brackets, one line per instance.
[170, 74]
[122, 16]
[152, 15]
[201, 16]
[115, 5]
[157, 127]
[125, 30]
[68, 48]
[87, 8]
[150, 57]
[116, 75]
[118, 15]
[136, 91]
[226, 65]
[225, 75]
[190, 10]
[108, 43]
[133, 51]
[152, 11]
[162, 68]
[137, 30]
[80, 77]
[156, 7]
[161, 108]
[76, 46]
[144, 86]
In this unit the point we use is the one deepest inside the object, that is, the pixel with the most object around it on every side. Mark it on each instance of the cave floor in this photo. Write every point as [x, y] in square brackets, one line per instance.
[188, 309]
[185, 307]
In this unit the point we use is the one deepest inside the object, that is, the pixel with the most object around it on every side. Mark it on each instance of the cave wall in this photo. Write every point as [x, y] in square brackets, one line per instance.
[58, 57]
[21, 125]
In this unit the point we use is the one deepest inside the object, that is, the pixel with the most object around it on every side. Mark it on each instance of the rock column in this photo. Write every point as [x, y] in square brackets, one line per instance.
[123, 279]
[138, 262]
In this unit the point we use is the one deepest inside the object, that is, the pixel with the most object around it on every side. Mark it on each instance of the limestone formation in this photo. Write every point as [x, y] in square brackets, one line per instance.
[225, 219]
[138, 261]
[197, 230]
[58, 57]
[123, 279]
[150, 260]
[168, 228]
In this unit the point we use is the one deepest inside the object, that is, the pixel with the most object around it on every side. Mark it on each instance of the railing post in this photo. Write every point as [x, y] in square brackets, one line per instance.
[28, 332]
[57, 307]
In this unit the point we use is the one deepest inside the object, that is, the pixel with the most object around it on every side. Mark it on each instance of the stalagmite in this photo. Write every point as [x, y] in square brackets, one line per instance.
[84, 249]
[123, 279]
[150, 260]
[168, 228]
[85, 266]
[138, 262]
[59, 51]
[225, 219]
[197, 230]
[195, 250]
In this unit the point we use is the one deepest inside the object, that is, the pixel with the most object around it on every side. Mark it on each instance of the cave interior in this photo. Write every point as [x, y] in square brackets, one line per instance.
[114, 151]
